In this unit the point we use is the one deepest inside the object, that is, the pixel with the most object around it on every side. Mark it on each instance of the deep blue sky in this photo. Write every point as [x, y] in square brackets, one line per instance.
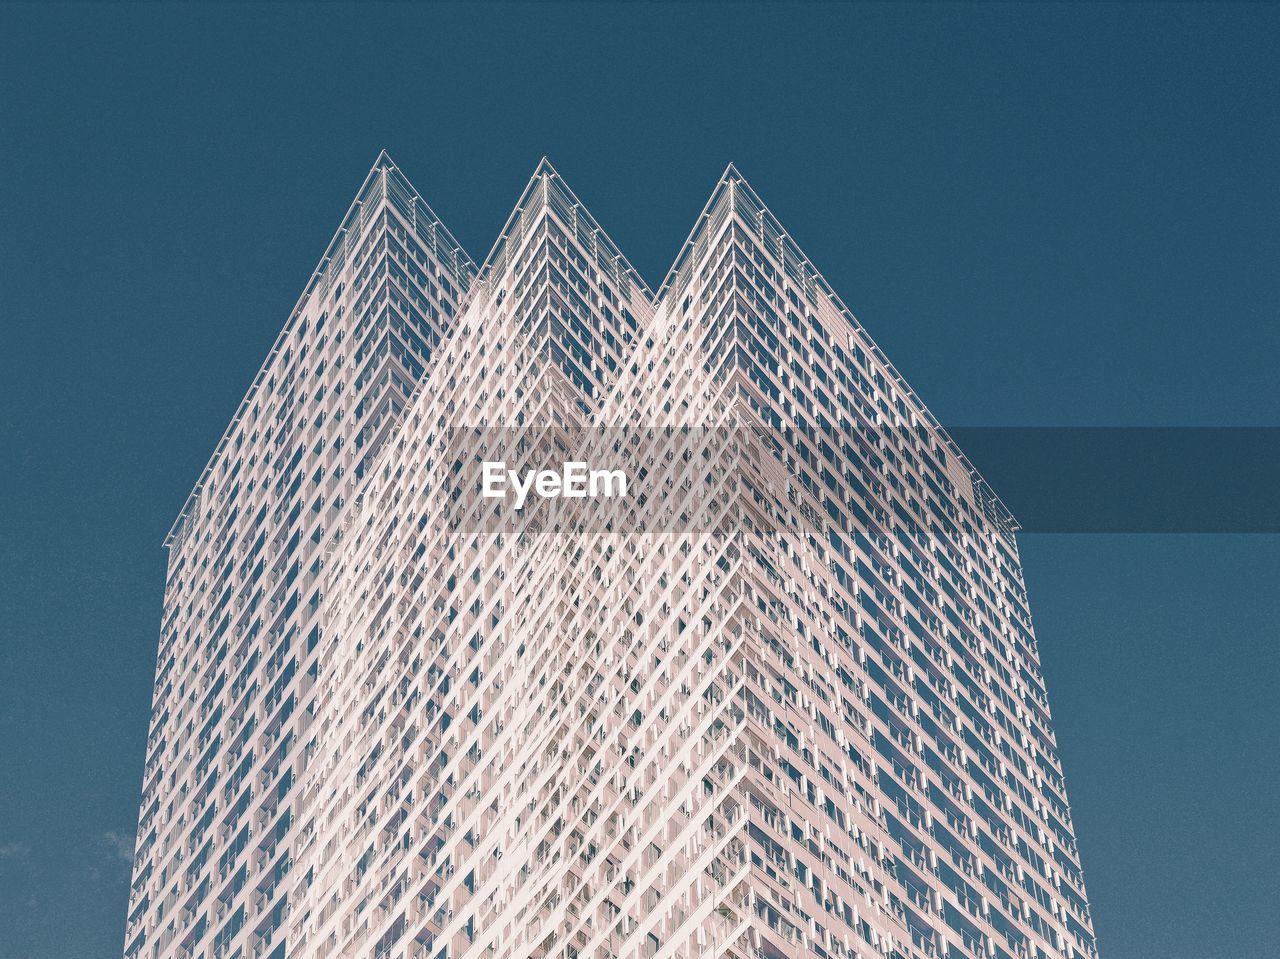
[1046, 215]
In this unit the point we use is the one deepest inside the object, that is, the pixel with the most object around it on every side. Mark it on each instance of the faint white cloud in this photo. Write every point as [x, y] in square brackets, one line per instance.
[14, 850]
[118, 844]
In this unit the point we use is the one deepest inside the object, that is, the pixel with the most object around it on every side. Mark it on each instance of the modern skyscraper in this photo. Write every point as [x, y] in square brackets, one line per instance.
[776, 694]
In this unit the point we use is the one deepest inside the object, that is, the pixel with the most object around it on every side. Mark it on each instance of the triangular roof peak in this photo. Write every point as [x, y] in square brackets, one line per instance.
[745, 198]
[730, 178]
[544, 167]
[537, 195]
[372, 192]
[735, 176]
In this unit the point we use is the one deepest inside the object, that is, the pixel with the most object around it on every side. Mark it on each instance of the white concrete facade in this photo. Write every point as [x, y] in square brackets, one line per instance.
[782, 699]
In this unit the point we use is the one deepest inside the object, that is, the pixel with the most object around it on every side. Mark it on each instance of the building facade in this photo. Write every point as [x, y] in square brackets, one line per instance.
[782, 698]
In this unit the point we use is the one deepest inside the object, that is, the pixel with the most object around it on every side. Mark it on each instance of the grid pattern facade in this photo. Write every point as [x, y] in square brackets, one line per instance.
[242, 603]
[809, 723]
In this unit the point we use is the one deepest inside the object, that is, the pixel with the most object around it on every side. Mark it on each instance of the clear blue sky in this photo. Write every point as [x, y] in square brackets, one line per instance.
[1046, 215]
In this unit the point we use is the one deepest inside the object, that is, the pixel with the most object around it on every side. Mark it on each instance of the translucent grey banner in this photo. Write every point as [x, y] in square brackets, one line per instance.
[1132, 479]
[1051, 479]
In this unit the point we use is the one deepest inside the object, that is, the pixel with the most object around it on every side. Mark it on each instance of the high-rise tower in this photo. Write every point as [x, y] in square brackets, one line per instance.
[243, 610]
[781, 698]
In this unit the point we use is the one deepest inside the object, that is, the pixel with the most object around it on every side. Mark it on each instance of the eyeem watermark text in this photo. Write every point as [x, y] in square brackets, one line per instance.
[574, 481]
